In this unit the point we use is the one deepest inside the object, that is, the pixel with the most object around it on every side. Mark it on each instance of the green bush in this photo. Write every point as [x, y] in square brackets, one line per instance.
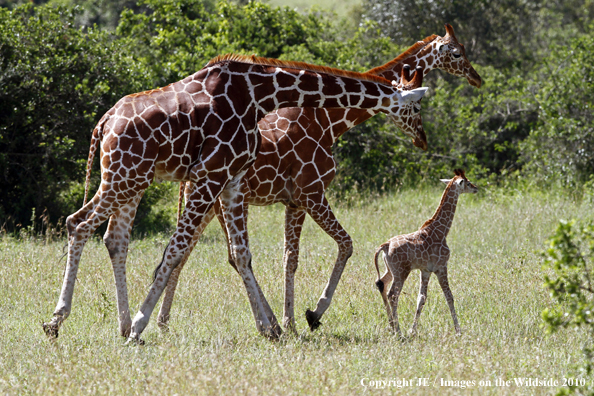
[569, 261]
[56, 81]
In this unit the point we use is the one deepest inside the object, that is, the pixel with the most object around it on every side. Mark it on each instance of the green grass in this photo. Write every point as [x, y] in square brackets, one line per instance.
[340, 7]
[213, 347]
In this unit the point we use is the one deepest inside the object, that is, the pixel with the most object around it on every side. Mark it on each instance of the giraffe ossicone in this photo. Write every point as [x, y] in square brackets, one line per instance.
[296, 165]
[425, 250]
[201, 130]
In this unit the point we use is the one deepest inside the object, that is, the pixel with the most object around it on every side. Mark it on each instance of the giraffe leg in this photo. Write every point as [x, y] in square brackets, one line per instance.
[164, 312]
[394, 295]
[117, 239]
[442, 277]
[424, 283]
[81, 226]
[385, 280]
[233, 207]
[324, 217]
[294, 218]
[204, 192]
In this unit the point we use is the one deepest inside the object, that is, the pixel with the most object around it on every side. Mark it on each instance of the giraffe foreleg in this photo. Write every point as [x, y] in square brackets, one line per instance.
[294, 218]
[200, 200]
[421, 299]
[164, 312]
[322, 214]
[233, 209]
[442, 276]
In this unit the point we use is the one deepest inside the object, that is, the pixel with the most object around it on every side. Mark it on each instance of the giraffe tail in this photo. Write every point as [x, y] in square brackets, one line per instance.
[95, 141]
[378, 282]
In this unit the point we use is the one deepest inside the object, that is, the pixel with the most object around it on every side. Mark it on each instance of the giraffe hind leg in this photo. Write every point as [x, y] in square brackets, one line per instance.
[232, 199]
[322, 214]
[294, 218]
[117, 239]
[81, 226]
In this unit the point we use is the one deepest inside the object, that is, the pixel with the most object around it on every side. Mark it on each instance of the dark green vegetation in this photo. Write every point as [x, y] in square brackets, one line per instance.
[62, 67]
[570, 257]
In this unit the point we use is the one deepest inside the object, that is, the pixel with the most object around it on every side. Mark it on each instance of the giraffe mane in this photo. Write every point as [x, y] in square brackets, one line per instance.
[459, 174]
[416, 47]
[256, 60]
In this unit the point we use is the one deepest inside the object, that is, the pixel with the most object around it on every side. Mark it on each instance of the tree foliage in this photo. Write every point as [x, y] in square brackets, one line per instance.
[532, 119]
[56, 80]
[570, 258]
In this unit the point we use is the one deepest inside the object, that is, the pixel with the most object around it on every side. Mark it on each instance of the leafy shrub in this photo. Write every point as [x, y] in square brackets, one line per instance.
[570, 258]
[56, 80]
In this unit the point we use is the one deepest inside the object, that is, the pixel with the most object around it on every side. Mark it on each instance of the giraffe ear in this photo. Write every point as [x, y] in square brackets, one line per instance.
[446, 181]
[414, 95]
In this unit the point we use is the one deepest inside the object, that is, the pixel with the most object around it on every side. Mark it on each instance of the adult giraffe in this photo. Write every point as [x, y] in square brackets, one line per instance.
[295, 166]
[202, 129]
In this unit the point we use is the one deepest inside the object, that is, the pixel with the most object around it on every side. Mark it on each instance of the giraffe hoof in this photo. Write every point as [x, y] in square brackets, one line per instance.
[163, 326]
[51, 330]
[312, 319]
[134, 339]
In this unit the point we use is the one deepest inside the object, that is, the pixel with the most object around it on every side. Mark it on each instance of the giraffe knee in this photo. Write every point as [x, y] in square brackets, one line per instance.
[347, 247]
[111, 244]
[291, 261]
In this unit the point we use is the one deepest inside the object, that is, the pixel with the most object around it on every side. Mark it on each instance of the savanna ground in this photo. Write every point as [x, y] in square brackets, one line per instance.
[341, 7]
[213, 347]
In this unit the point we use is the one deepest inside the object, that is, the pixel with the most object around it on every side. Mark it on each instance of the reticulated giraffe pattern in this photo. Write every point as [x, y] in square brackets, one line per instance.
[296, 165]
[425, 250]
[201, 130]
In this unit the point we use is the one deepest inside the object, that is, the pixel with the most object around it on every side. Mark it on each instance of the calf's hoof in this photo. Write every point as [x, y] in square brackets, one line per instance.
[312, 319]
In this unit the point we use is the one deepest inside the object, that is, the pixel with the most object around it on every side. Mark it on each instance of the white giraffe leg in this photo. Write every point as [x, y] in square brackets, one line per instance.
[164, 312]
[233, 209]
[218, 211]
[81, 226]
[117, 239]
[421, 299]
[324, 217]
[294, 218]
[204, 192]
[442, 276]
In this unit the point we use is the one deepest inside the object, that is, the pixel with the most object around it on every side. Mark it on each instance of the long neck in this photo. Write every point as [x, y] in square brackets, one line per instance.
[416, 56]
[274, 87]
[443, 217]
[424, 57]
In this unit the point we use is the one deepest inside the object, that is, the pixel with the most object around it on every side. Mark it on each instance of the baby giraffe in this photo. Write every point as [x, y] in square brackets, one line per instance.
[425, 249]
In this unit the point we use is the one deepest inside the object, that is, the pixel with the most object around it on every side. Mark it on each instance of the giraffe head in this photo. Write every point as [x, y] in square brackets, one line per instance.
[460, 183]
[407, 116]
[451, 57]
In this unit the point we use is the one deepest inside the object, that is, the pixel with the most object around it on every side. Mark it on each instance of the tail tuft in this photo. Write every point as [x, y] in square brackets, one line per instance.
[380, 285]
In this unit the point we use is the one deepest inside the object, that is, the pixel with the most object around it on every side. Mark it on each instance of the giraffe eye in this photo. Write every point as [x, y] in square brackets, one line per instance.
[457, 55]
[456, 52]
[416, 108]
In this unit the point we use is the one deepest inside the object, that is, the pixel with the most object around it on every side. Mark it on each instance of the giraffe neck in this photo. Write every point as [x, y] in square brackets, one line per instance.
[423, 57]
[443, 217]
[417, 55]
[276, 86]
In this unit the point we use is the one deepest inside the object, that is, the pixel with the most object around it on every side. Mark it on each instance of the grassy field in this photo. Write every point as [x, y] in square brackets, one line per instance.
[213, 347]
[341, 7]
